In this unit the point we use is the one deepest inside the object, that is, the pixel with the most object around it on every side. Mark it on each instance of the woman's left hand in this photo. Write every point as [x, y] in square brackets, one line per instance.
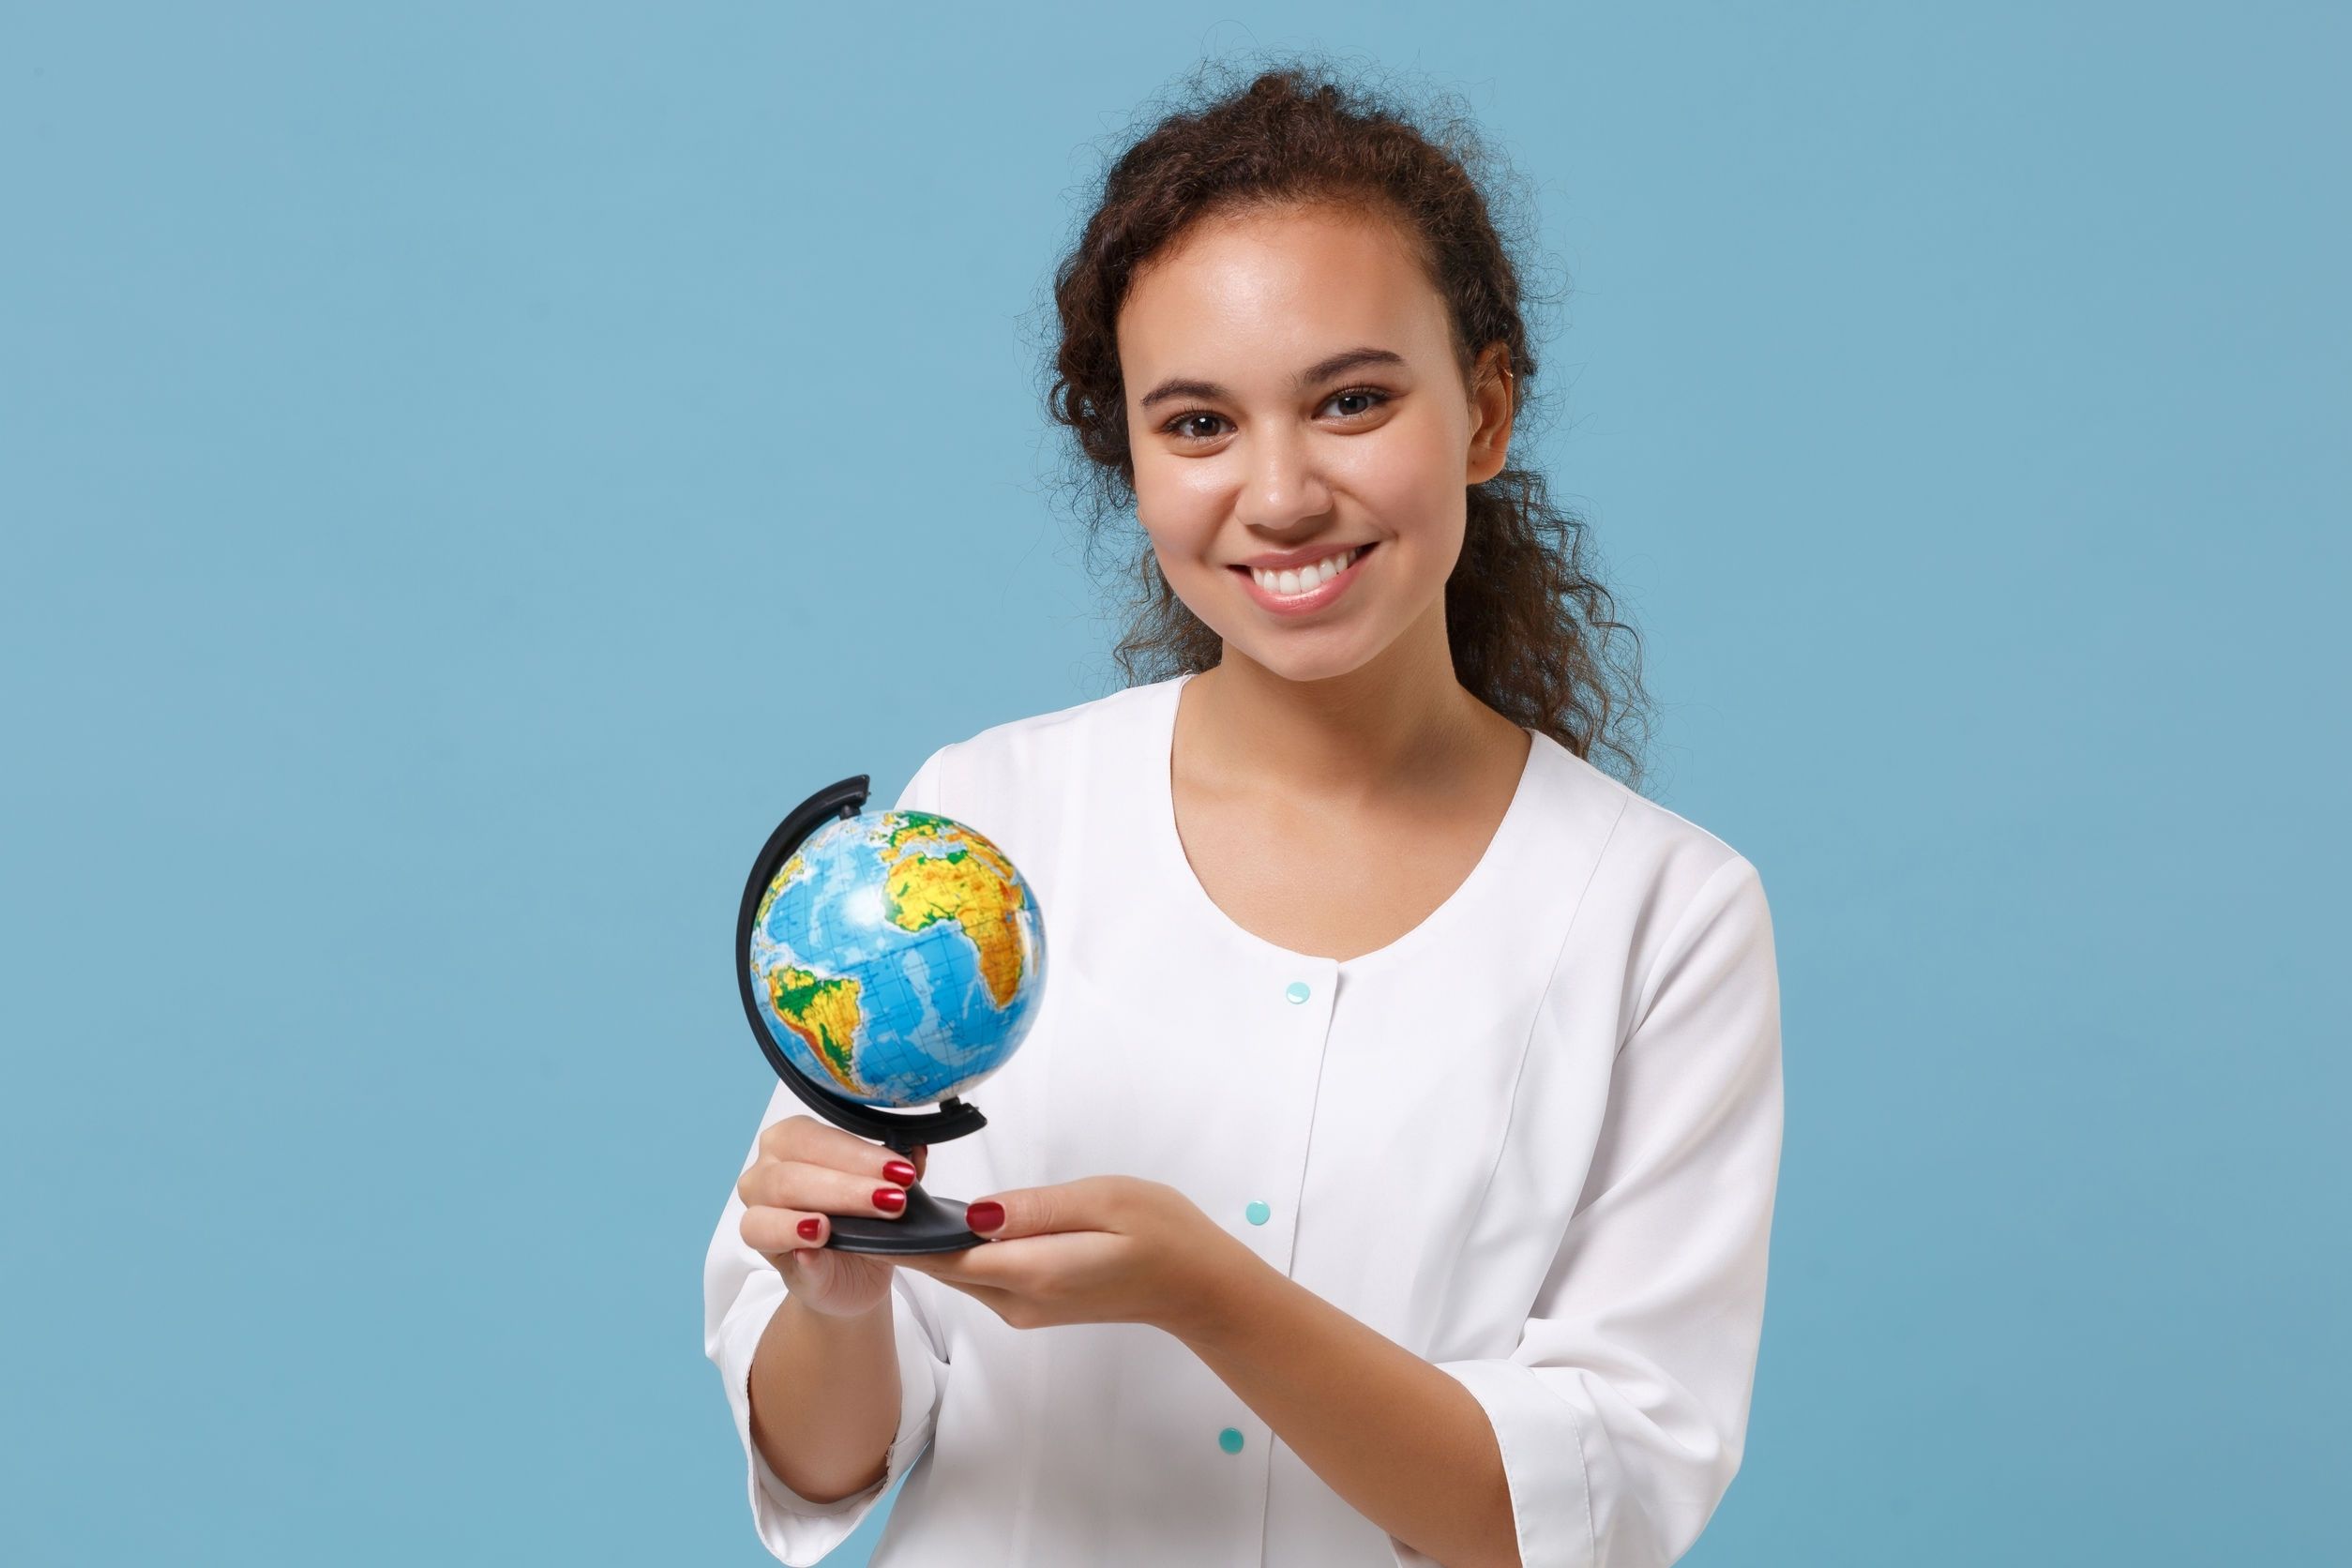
[1103, 1249]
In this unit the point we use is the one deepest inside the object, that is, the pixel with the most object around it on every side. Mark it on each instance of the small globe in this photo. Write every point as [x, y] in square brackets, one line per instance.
[898, 958]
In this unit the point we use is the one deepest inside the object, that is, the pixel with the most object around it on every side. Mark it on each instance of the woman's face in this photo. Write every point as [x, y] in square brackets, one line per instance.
[1292, 394]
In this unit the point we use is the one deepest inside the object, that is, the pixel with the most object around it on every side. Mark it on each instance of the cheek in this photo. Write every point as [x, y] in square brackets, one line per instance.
[1179, 557]
[1175, 495]
[1410, 476]
[1182, 524]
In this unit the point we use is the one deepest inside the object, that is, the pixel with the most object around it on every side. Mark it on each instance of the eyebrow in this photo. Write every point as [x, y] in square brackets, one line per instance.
[1321, 371]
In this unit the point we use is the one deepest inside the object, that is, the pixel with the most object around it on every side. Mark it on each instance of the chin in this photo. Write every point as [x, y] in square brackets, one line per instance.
[1307, 658]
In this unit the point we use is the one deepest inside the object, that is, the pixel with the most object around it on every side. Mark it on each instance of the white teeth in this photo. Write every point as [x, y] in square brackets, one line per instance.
[1304, 579]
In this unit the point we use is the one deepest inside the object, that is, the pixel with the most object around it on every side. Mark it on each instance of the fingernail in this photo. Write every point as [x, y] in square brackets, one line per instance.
[810, 1227]
[899, 1171]
[983, 1216]
[890, 1199]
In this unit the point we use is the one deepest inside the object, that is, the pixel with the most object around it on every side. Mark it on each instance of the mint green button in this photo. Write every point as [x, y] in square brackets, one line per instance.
[1258, 1213]
[1297, 991]
[1230, 1439]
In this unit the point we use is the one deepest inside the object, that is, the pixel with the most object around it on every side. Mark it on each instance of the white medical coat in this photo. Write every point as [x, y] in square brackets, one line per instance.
[1534, 1140]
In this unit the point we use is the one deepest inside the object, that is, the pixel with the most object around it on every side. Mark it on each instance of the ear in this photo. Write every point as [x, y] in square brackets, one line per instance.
[1492, 391]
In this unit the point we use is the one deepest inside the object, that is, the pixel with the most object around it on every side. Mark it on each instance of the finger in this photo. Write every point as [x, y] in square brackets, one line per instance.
[792, 1141]
[774, 1231]
[814, 1142]
[959, 1265]
[820, 1189]
[939, 1265]
[1089, 1203]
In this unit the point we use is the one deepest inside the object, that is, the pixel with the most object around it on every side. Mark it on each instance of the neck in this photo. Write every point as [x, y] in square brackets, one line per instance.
[1401, 719]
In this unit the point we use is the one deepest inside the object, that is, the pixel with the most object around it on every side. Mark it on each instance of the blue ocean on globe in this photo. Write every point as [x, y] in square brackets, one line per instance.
[898, 956]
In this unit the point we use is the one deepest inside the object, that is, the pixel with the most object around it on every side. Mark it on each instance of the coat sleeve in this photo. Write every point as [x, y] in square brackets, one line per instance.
[740, 1291]
[1622, 1413]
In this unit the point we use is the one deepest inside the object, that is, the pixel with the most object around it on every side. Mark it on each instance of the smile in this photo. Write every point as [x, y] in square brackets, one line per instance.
[1301, 589]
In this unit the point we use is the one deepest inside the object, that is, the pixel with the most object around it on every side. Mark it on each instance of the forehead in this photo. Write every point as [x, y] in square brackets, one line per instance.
[1275, 288]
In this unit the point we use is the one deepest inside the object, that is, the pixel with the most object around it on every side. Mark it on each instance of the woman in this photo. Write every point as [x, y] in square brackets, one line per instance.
[1388, 1176]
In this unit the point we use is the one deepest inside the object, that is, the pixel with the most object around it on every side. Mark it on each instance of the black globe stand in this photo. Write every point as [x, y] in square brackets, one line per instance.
[928, 1224]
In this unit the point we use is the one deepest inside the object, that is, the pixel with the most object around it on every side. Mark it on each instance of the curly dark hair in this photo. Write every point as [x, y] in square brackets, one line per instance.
[1527, 623]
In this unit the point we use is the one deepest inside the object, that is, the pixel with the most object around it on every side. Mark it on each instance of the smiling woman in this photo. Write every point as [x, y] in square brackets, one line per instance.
[1388, 1174]
[1288, 273]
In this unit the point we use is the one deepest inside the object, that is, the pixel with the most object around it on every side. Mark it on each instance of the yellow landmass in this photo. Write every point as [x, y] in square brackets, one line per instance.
[971, 884]
[824, 1010]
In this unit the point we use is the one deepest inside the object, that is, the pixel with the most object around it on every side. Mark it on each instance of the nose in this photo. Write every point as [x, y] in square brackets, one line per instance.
[1282, 488]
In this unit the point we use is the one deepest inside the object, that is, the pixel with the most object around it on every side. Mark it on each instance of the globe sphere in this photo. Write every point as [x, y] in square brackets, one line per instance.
[898, 958]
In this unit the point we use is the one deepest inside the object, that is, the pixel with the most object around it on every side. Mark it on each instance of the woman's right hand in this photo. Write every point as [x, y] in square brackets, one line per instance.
[806, 1170]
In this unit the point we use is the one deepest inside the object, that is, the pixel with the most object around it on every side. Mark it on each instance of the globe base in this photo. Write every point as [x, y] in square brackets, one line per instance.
[927, 1225]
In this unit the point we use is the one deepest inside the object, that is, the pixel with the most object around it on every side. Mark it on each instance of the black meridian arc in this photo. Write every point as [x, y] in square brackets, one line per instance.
[928, 1224]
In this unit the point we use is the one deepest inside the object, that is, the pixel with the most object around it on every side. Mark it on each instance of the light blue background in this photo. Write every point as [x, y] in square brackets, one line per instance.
[466, 468]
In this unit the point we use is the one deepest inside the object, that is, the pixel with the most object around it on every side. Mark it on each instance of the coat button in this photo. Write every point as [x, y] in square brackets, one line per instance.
[1298, 991]
[1258, 1213]
[1230, 1439]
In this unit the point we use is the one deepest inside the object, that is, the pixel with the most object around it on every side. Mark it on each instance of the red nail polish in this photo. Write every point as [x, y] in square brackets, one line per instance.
[983, 1216]
[810, 1227]
[900, 1172]
[890, 1199]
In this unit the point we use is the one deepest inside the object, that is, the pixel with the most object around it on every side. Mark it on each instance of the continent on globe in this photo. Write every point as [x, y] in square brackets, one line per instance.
[939, 870]
[823, 1011]
[899, 955]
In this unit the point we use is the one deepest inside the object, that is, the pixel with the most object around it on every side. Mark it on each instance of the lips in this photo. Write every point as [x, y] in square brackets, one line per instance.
[1303, 600]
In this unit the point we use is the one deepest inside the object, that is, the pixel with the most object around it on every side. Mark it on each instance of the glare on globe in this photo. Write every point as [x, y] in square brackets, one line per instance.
[898, 958]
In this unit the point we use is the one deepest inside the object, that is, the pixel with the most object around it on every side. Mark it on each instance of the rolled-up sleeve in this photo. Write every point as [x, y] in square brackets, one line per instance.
[1622, 1413]
[740, 1291]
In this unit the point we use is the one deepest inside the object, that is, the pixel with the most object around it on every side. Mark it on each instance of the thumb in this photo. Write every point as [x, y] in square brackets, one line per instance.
[1035, 1211]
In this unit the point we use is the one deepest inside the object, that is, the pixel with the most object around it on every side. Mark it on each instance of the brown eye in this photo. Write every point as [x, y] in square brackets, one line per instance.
[1182, 426]
[1176, 426]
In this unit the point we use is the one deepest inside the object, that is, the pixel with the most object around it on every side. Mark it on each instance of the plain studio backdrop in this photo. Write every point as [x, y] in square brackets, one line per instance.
[465, 470]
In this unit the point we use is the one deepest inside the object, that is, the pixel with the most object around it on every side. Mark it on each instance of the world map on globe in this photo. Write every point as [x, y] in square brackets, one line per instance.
[899, 957]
